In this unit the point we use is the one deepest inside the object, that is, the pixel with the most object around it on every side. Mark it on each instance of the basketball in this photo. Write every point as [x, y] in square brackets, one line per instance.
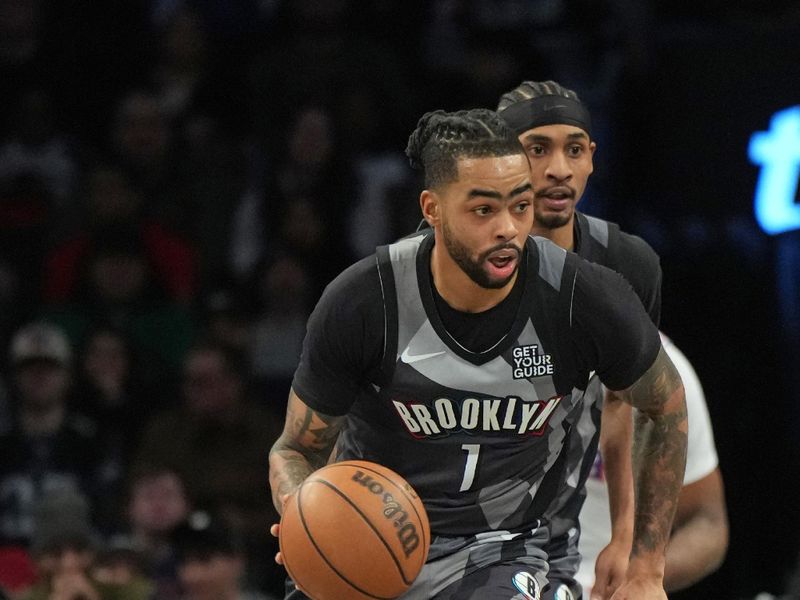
[354, 530]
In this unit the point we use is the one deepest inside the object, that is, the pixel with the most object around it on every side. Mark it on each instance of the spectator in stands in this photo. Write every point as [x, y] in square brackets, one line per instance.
[17, 572]
[37, 146]
[302, 204]
[157, 503]
[26, 218]
[225, 317]
[211, 561]
[218, 440]
[111, 389]
[117, 286]
[112, 200]
[189, 177]
[64, 547]
[51, 448]
[283, 290]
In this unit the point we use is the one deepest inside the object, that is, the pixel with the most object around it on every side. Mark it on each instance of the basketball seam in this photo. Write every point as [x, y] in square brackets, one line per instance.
[325, 558]
[286, 562]
[409, 498]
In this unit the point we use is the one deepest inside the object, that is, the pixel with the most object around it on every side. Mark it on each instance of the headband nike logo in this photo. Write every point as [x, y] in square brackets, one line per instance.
[553, 106]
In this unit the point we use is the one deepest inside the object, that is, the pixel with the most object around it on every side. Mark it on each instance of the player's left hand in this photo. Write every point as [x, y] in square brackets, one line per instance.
[609, 570]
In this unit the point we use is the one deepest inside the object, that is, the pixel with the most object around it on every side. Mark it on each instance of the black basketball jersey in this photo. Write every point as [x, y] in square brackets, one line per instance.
[603, 243]
[478, 435]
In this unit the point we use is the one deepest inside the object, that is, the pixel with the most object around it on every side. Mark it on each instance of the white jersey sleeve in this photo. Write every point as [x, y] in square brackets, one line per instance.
[701, 460]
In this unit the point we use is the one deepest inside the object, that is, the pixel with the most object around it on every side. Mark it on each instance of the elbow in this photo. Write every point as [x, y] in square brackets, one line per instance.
[720, 548]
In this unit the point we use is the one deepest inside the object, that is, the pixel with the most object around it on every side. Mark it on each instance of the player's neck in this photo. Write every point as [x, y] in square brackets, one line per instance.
[563, 236]
[458, 290]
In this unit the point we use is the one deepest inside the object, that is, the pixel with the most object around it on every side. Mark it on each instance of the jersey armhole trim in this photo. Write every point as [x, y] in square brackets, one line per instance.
[389, 297]
[572, 295]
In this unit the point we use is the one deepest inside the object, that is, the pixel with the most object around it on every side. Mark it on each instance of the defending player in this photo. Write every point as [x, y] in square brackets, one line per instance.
[700, 532]
[457, 355]
[555, 129]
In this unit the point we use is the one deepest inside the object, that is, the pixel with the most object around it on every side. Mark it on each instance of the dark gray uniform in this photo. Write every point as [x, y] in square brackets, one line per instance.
[603, 243]
[473, 410]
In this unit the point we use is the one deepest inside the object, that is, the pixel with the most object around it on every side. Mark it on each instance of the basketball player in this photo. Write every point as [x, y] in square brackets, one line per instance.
[457, 357]
[700, 533]
[555, 129]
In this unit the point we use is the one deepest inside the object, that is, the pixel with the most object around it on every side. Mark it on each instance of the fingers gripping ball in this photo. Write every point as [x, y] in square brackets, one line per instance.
[355, 530]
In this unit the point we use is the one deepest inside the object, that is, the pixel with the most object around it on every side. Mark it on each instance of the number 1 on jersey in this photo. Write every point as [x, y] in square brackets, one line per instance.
[472, 451]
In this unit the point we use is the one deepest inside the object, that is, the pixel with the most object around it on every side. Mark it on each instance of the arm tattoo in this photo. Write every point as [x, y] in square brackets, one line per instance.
[318, 430]
[304, 446]
[659, 452]
[295, 470]
[653, 389]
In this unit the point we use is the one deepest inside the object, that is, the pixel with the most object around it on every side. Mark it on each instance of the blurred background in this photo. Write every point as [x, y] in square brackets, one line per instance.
[179, 179]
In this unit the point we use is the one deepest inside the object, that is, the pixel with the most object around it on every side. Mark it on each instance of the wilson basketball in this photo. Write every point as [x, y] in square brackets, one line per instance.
[354, 530]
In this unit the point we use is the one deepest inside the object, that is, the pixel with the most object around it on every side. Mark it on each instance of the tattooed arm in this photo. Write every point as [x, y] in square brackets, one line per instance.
[304, 446]
[659, 459]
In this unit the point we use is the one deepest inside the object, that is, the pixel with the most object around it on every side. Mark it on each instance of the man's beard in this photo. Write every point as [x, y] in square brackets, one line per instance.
[474, 268]
[552, 220]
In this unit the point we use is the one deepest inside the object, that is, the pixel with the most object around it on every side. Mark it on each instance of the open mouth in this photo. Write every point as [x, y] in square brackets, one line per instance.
[559, 192]
[503, 262]
[557, 197]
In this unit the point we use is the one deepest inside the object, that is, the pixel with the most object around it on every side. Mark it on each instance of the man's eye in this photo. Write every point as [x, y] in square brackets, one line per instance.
[482, 210]
[575, 150]
[522, 206]
[536, 150]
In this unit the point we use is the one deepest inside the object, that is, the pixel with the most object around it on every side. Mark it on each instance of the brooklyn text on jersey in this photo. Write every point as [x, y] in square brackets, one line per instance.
[476, 415]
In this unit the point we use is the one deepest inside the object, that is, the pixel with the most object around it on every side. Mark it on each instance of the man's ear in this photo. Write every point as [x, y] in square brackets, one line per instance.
[429, 204]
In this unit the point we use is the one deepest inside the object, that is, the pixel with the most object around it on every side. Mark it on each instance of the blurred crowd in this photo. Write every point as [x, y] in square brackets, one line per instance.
[179, 180]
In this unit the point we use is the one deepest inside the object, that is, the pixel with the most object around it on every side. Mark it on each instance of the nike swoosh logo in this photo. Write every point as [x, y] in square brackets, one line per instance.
[412, 358]
[547, 107]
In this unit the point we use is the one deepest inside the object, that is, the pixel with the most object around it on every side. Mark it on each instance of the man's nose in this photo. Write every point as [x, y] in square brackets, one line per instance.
[559, 167]
[506, 226]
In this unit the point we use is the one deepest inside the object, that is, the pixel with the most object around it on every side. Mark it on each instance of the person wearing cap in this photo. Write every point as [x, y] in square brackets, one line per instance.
[49, 448]
[555, 128]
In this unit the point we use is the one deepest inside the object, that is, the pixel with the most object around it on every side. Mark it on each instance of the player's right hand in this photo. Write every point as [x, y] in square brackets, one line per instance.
[275, 530]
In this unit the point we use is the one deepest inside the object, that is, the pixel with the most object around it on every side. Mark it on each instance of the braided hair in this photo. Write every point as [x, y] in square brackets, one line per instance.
[534, 89]
[442, 138]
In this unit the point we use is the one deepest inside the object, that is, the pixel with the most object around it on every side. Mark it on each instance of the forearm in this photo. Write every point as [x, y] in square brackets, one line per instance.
[288, 468]
[304, 446]
[659, 460]
[615, 447]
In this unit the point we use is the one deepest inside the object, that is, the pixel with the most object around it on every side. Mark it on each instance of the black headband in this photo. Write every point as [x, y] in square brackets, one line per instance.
[546, 110]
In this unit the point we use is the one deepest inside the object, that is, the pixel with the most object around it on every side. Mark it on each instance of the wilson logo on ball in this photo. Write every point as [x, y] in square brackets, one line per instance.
[392, 510]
